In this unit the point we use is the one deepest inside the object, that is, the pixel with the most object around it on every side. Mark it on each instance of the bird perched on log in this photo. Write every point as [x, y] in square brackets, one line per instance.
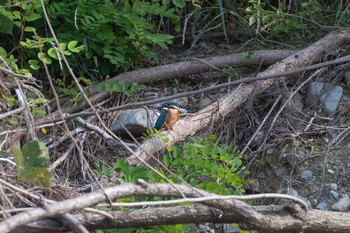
[169, 115]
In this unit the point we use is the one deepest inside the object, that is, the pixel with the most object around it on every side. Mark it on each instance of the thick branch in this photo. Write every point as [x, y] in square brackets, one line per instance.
[181, 69]
[288, 218]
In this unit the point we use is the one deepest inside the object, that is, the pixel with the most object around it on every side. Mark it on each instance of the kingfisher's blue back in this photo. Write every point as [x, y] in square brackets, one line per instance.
[161, 119]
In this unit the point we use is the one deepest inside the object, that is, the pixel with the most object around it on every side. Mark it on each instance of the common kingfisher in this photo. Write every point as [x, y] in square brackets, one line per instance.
[169, 115]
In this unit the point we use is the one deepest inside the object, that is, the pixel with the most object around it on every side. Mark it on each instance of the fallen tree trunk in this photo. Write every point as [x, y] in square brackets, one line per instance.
[181, 69]
[272, 218]
[228, 103]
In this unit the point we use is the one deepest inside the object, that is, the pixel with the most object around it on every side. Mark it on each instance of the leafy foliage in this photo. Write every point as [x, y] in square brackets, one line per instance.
[99, 38]
[295, 20]
[127, 87]
[32, 164]
[202, 163]
[206, 165]
[116, 33]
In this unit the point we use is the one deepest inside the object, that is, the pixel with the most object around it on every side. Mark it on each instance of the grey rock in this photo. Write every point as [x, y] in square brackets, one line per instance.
[259, 137]
[204, 102]
[205, 229]
[254, 185]
[334, 133]
[271, 150]
[330, 171]
[347, 77]
[334, 194]
[301, 153]
[342, 205]
[327, 94]
[322, 206]
[346, 150]
[136, 121]
[334, 186]
[306, 176]
[280, 171]
[293, 192]
[228, 228]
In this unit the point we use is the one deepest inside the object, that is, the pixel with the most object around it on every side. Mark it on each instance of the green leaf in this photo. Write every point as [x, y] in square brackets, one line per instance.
[37, 176]
[120, 165]
[38, 112]
[17, 14]
[106, 170]
[52, 53]
[125, 85]
[179, 3]
[29, 29]
[3, 52]
[36, 154]
[34, 64]
[72, 46]
[19, 159]
[63, 46]
[97, 172]
[101, 87]
[129, 93]
[6, 25]
[166, 160]
[32, 17]
[116, 86]
[42, 56]
[32, 164]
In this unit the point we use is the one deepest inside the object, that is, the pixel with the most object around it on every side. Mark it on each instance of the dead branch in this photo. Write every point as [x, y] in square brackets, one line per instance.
[287, 218]
[231, 101]
[181, 69]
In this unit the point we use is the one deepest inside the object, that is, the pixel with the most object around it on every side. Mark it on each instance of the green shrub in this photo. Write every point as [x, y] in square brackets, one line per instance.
[203, 163]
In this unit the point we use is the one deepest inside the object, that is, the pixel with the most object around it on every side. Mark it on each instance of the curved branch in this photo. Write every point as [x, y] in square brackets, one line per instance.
[287, 218]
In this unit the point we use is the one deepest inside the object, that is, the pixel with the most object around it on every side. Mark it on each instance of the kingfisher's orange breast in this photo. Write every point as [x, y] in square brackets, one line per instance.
[171, 118]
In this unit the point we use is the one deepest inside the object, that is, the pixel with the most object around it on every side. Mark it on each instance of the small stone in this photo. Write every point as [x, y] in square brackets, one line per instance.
[306, 176]
[280, 171]
[330, 171]
[204, 102]
[271, 150]
[136, 121]
[301, 154]
[326, 94]
[347, 77]
[254, 185]
[259, 137]
[334, 194]
[322, 206]
[261, 175]
[228, 228]
[334, 186]
[334, 133]
[293, 192]
[342, 205]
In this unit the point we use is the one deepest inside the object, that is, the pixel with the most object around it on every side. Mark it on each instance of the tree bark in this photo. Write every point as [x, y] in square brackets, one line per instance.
[228, 103]
[284, 218]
